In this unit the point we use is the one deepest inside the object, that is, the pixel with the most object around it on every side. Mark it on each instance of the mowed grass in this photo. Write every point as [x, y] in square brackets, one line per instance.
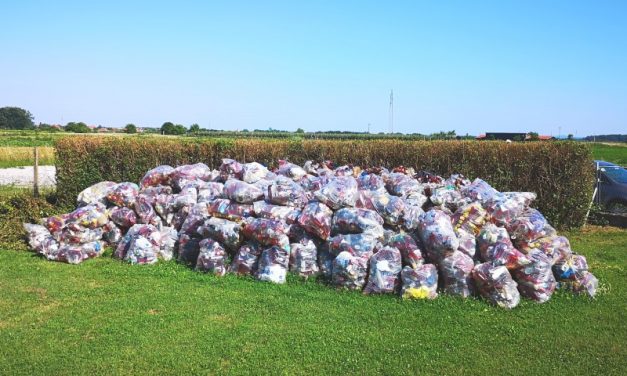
[615, 153]
[107, 317]
[15, 156]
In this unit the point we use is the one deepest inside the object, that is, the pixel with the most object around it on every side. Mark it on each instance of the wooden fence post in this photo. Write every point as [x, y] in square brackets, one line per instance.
[36, 174]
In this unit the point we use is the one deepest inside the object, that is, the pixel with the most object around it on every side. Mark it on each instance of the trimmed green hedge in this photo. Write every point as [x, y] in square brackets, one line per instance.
[560, 173]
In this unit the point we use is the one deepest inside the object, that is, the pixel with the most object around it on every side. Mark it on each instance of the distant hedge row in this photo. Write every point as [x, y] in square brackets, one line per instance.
[559, 172]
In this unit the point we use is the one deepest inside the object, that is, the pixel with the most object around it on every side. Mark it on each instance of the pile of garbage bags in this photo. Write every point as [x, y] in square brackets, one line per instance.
[374, 230]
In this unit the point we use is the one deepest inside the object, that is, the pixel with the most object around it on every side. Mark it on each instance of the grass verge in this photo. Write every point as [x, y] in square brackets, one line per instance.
[105, 316]
[16, 156]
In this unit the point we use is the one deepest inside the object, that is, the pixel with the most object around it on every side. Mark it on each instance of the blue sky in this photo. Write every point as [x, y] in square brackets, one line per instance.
[468, 66]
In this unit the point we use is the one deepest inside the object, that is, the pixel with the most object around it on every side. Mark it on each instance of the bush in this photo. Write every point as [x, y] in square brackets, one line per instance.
[561, 173]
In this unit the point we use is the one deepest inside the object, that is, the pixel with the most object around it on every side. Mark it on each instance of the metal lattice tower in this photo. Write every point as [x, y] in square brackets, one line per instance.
[391, 119]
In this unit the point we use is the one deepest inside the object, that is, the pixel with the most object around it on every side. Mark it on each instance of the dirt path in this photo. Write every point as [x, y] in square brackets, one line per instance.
[23, 176]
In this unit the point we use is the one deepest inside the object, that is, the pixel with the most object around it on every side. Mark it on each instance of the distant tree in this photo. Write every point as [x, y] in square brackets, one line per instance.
[300, 130]
[194, 128]
[517, 138]
[15, 118]
[245, 130]
[167, 128]
[130, 128]
[570, 136]
[79, 127]
[47, 128]
[533, 136]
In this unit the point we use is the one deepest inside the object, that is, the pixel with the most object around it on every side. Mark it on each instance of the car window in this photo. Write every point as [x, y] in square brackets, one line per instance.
[619, 175]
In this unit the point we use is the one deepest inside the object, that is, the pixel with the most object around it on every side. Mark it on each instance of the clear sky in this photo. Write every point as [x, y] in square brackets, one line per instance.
[468, 66]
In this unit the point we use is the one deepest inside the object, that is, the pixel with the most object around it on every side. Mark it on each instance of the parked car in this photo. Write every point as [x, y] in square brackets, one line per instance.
[612, 188]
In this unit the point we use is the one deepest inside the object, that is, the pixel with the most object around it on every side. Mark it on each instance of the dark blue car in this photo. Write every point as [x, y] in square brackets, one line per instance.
[612, 188]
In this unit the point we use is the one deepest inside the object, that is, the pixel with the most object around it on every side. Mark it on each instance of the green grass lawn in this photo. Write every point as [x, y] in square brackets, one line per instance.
[107, 317]
[615, 153]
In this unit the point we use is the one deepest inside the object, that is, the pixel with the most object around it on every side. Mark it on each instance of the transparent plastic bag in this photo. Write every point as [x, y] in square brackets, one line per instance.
[349, 271]
[356, 221]
[384, 273]
[188, 173]
[455, 271]
[411, 217]
[467, 242]
[210, 191]
[479, 191]
[273, 265]
[145, 212]
[112, 234]
[169, 237]
[159, 175]
[536, 280]
[585, 284]
[188, 250]
[222, 230]
[194, 219]
[470, 218]
[570, 268]
[140, 245]
[212, 258]
[91, 216]
[505, 207]
[123, 194]
[437, 234]
[389, 207]
[339, 192]
[94, 194]
[231, 169]
[241, 192]
[269, 211]
[529, 226]
[77, 234]
[357, 244]
[370, 182]
[253, 172]
[40, 240]
[268, 232]
[420, 282]
[291, 170]
[496, 285]
[555, 247]
[401, 185]
[304, 258]
[316, 219]
[284, 191]
[227, 209]
[246, 261]
[411, 254]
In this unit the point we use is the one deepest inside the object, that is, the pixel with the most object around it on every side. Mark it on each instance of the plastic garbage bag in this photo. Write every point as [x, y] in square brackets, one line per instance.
[123, 216]
[91, 216]
[253, 172]
[140, 245]
[77, 234]
[284, 191]
[145, 211]
[505, 207]
[491, 235]
[339, 192]
[555, 247]
[447, 196]
[223, 231]
[455, 271]
[370, 182]
[76, 253]
[570, 268]
[467, 242]
[389, 207]
[194, 219]
[55, 223]
[536, 280]
[505, 255]
[356, 221]
[156, 190]
[212, 257]
[325, 262]
[246, 261]
[346, 170]
[273, 265]
[231, 169]
[159, 175]
[241, 192]
[169, 237]
[437, 234]
[290, 170]
[402, 185]
[186, 197]
[316, 219]
[496, 285]
[470, 218]
[411, 217]
[94, 194]
[312, 183]
[224, 208]
[210, 191]
[189, 173]
[188, 250]
[584, 284]
[478, 190]
[304, 258]
[40, 240]
[411, 254]
[385, 267]
[268, 232]
[112, 234]
[349, 271]
[178, 218]
[358, 244]
[123, 194]
[269, 211]
[529, 226]
[420, 282]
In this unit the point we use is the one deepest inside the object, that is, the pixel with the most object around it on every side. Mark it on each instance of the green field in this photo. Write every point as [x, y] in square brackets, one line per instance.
[615, 153]
[107, 317]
